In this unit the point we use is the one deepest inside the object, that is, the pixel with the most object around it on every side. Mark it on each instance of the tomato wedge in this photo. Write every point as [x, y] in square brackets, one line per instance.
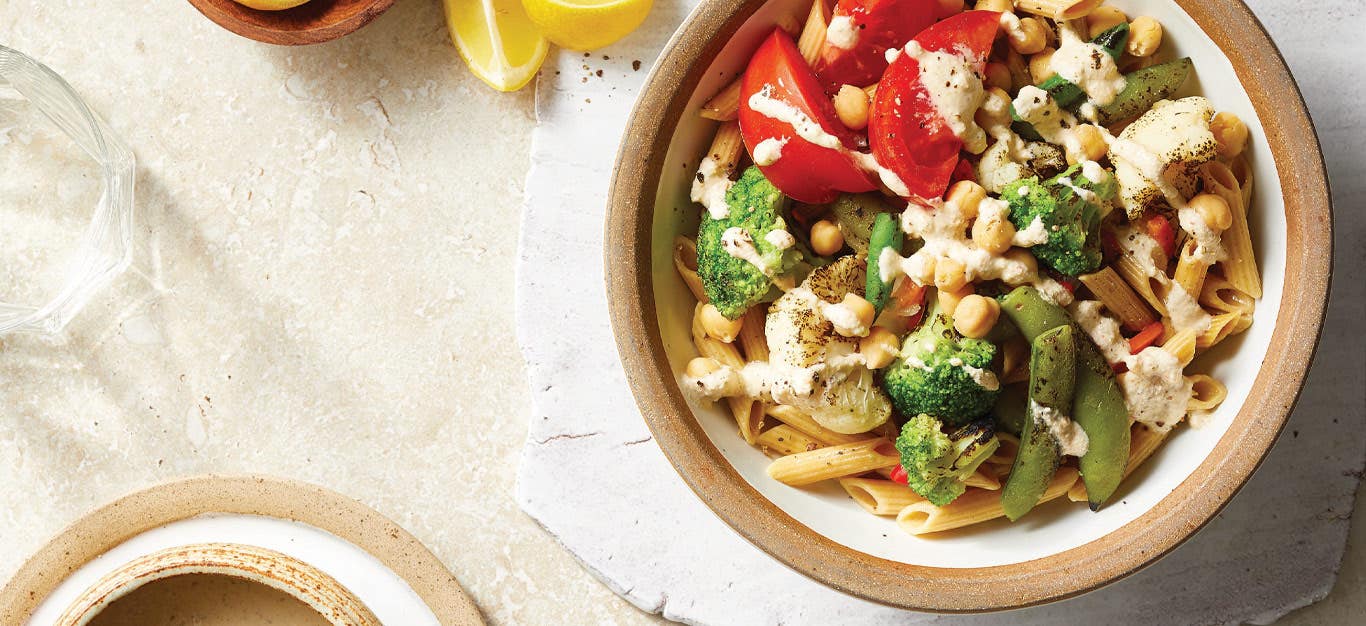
[855, 51]
[908, 134]
[805, 171]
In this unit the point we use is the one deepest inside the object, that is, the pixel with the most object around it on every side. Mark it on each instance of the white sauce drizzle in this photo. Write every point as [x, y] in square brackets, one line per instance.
[1089, 67]
[1072, 440]
[984, 378]
[843, 318]
[769, 151]
[842, 33]
[1185, 312]
[1102, 329]
[780, 239]
[955, 90]
[737, 243]
[806, 128]
[1155, 390]
[709, 188]
[1036, 234]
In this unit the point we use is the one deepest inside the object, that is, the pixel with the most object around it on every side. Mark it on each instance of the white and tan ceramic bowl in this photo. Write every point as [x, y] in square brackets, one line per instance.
[1061, 550]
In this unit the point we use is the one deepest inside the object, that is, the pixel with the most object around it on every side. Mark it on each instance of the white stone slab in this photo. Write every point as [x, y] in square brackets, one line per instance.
[592, 475]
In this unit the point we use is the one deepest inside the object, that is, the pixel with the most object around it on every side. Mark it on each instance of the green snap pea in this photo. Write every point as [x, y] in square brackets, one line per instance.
[1052, 372]
[886, 233]
[1098, 403]
[1012, 407]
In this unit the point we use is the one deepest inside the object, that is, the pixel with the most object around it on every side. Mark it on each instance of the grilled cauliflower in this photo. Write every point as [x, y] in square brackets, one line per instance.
[1168, 144]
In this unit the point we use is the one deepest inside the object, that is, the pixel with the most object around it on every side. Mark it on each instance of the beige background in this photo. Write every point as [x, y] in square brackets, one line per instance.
[322, 291]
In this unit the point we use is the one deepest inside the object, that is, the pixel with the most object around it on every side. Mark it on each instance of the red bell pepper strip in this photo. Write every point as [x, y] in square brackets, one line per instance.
[1146, 337]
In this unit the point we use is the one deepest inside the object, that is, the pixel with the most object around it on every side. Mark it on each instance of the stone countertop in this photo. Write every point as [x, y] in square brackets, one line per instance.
[321, 291]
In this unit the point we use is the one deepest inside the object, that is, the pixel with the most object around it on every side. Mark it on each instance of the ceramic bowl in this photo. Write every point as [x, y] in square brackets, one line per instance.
[1060, 550]
[315, 21]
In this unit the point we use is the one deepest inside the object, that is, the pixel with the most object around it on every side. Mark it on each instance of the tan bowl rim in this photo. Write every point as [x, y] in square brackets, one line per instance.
[110, 525]
[1300, 167]
[319, 33]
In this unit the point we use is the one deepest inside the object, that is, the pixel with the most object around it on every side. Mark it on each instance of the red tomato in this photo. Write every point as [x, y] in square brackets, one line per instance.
[877, 25]
[805, 171]
[898, 474]
[963, 171]
[907, 134]
[1160, 228]
[1146, 337]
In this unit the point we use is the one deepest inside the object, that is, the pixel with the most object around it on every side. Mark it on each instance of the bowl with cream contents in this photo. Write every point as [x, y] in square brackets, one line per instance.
[933, 295]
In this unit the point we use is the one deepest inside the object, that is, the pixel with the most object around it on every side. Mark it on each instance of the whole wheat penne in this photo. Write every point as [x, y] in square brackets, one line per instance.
[1240, 264]
[973, 507]
[880, 497]
[785, 440]
[806, 424]
[1119, 298]
[685, 261]
[1152, 288]
[725, 105]
[1058, 9]
[749, 413]
[850, 459]
[1191, 270]
[1220, 296]
[752, 339]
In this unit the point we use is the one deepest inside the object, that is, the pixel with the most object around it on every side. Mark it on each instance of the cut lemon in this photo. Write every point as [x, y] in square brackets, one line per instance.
[271, 5]
[587, 24]
[501, 46]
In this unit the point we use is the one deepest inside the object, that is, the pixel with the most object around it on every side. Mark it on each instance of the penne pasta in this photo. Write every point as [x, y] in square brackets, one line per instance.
[1119, 298]
[973, 507]
[752, 339]
[1207, 393]
[804, 423]
[785, 440]
[1240, 266]
[725, 105]
[1220, 296]
[983, 478]
[1190, 269]
[1152, 288]
[1058, 9]
[1222, 327]
[749, 413]
[685, 261]
[813, 33]
[1182, 345]
[727, 147]
[1005, 453]
[880, 497]
[850, 459]
[1242, 172]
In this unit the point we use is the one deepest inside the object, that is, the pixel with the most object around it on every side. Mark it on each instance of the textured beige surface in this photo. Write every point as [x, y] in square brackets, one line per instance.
[322, 291]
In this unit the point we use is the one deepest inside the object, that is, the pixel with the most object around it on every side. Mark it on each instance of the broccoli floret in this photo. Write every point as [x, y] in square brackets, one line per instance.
[1066, 207]
[942, 373]
[936, 463]
[734, 284]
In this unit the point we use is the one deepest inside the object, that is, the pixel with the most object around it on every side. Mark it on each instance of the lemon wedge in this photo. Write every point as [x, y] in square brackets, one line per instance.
[270, 5]
[501, 46]
[587, 24]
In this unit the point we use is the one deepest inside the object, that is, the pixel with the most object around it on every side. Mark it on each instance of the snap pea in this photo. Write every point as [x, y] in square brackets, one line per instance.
[1143, 88]
[1012, 407]
[886, 233]
[1098, 403]
[1052, 373]
[1064, 92]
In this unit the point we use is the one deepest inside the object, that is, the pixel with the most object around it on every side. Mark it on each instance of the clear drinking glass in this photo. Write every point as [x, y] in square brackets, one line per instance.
[66, 199]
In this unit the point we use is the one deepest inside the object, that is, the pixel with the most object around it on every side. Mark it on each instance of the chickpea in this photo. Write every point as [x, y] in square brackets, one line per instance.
[976, 315]
[879, 348]
[1230, 133]
[826, 238]
[1031, 38]
[1041, 65]
[923, 274]
[997, 76]
[949, 300]
[966, 195]
[1145, 36]
[718, 326]
[999, 6]
[862, 310]
[1089, 145]
[701, 366]
[993, 235]
[851, 106]
[1024, 259]
[1103, 18]
[995, 109]
[950, 274]
[1214, 210]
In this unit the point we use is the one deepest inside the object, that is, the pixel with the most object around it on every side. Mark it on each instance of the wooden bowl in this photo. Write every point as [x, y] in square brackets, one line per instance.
[1064, 550]
[315, 21]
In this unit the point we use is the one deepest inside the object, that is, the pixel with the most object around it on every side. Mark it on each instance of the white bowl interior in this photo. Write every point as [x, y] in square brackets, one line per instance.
[1056, 526]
